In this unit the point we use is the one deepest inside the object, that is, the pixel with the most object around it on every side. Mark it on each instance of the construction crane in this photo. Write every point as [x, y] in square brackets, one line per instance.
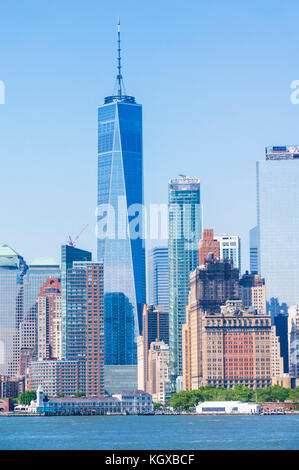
[73, 242]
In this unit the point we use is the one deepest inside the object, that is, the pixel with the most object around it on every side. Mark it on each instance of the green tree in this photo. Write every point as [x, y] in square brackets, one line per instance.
[293, 394]
[79, 394]
[242, 393]
[157, 406]
[60, 395]
[262, 395]
[278, 393]
[26, 397]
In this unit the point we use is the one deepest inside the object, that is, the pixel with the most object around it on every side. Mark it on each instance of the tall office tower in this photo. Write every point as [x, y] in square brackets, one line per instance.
[85, 322]
[208, 245]
[49, 320]
[12, 271]
[254, 250]
[230, 248]
[120, 237]
[293, 333]
[252, 291]
[278, 222]
[40, 270]
[233, 346]
[158, 372]
[69, 254]
[155, 327]
[184, 235]
[158, 284]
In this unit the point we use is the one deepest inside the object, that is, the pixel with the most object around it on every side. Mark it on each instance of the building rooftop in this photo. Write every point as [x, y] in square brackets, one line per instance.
[282, 152]
[42, 262]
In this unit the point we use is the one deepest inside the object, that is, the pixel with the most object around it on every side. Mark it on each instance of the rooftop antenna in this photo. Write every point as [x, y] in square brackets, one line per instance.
[119, 75]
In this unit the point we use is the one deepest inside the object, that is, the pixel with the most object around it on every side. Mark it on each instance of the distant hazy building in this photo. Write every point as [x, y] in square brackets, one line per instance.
[158, 372]
[278, 222]
[252, 291]
[49, 320]
[293, 333]
[184, 235]
[228, 348]
[254, 250]
[12, 271]
[230, 248]
[208, 245]
[158, 282]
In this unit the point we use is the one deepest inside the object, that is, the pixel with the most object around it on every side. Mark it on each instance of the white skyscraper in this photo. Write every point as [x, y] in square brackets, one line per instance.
[230, 248]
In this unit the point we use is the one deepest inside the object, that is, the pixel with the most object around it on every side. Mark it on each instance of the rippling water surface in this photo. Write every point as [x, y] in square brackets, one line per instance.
[150, 432]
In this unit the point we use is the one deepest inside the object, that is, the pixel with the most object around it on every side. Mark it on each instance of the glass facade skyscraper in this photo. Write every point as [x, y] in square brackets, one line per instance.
[158, 283]
[185, 231]
[278, 223]
[120, 241]
[12, 271]
[19, 288]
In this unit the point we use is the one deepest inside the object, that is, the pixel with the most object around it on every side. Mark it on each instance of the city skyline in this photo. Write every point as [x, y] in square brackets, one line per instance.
[67, 148]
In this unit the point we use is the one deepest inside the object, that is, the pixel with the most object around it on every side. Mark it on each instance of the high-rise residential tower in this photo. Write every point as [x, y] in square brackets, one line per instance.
[85, 322]
[49, 320]
[158, 284]
[69, 254]
[184, 234]
[120, 238]
[278, 222]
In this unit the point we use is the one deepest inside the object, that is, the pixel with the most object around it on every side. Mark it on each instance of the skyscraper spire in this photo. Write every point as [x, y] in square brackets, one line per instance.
[119, 90]
[119, 75]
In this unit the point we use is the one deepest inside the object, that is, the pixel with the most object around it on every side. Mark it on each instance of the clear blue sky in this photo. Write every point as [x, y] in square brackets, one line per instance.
[214, 80]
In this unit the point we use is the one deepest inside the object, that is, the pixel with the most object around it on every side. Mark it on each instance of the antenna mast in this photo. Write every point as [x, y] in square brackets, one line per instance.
[119, 76]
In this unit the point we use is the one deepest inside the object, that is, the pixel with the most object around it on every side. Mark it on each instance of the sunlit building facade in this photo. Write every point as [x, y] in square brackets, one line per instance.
[120, 227]
[185, 230]
[278, 222]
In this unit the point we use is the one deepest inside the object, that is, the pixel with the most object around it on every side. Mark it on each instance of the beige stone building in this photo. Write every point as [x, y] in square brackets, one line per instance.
[235, 346]
[252, 292]
[158, 372]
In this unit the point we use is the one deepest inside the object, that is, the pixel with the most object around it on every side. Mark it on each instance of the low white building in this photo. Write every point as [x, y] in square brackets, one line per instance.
[133, 402]
[228, 407]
